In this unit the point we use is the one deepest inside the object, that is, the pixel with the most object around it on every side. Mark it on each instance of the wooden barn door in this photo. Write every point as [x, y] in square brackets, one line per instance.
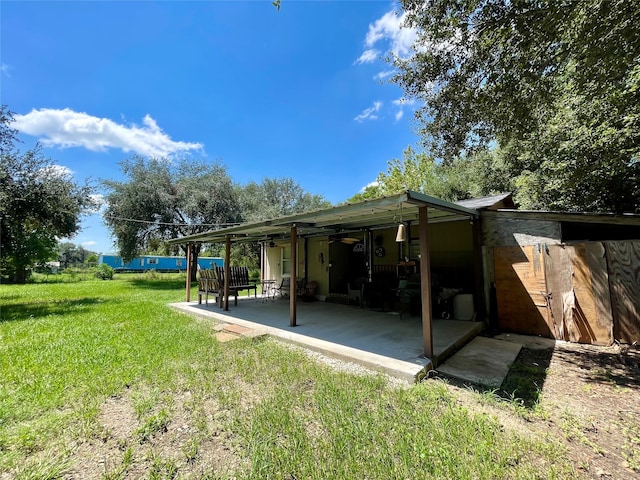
[578, 286]
[587, 293]
[521, 290]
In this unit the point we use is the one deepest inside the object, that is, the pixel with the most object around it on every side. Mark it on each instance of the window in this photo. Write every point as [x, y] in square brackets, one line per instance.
[179, 262]
[153, 261]
[285, 261]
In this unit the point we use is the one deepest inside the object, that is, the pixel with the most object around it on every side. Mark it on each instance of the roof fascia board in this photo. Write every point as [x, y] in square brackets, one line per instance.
[331, 217]
[418, 198]
[617, 219]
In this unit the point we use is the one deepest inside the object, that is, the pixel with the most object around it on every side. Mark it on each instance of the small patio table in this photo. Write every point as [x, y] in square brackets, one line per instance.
[268, 290]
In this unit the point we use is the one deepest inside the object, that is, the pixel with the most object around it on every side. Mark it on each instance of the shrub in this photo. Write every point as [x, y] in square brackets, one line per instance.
[254, 274]
[104, 271]
[152, 274]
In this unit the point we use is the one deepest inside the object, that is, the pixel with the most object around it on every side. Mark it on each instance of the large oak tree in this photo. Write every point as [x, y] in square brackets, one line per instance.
[162, 199]
[551, 86]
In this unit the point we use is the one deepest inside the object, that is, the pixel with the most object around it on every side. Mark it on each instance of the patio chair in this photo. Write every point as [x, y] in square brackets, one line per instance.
[355, 291]
[284, 289]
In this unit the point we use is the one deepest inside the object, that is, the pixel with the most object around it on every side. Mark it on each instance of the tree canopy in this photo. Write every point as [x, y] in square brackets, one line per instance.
[39, 201]
[70, 254]
[552, 87]
[163, 199]
[276, 197]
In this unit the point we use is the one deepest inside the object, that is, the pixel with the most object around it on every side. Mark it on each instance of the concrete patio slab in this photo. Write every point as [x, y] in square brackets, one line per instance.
[483, 361]
[384, 341]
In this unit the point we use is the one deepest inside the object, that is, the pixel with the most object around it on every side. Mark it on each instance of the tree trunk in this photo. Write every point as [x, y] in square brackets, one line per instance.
[195, 251]
[20, 276]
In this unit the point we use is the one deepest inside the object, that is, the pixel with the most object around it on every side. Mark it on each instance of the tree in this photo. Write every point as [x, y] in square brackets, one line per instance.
[38, 202]
[271, 198]
[423, 173]
[162, 200]
[416, 171]
[277, 197]
[555, 85]
[70, 254]
[92, 259]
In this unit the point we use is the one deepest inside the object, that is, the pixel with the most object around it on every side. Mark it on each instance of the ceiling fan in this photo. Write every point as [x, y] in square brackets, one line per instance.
[345, 240]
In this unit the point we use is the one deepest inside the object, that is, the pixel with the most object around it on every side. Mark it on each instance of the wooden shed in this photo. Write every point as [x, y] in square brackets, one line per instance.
[566, 276]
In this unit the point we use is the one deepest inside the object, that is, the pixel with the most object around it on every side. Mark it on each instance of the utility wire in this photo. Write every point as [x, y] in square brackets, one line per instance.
[134, 220]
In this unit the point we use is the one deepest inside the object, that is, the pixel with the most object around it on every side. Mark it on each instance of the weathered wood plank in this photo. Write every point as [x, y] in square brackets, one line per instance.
[521, 291]
[558, 273]
[591, 285]
[623, 262]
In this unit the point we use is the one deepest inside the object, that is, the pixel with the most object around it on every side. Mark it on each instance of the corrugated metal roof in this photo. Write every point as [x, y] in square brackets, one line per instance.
[372, 214]
[501, 200]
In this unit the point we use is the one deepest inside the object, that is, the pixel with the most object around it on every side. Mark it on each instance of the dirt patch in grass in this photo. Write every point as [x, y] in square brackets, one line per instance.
[584, 395]
[190, 441]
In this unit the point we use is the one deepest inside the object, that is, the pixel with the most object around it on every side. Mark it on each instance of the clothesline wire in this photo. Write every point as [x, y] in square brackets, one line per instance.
[153, 222]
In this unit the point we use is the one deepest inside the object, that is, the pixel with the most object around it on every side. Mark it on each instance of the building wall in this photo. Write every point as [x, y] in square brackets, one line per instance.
[318, 264]
[451, 257]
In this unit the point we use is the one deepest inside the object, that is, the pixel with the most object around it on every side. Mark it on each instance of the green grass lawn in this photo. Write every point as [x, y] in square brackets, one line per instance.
[100, 379]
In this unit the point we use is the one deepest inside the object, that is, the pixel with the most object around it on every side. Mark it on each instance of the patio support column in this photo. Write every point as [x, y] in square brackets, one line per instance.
[294, 279]
[227, 271]
[188, 285]
[262, 252]
[425, 284]
[369, 255]
[478, 267]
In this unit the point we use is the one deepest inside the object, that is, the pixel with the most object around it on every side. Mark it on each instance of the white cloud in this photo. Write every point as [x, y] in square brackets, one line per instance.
[99, 202]
[390, 28]
[54, 171]
[4, 68]
[368, 56]
[88, 244]
[98, 198]
[383, 75]
[59, 171]
[401, 103]
[369, 113]
[66, 128]
[375, 183]
[404, 102]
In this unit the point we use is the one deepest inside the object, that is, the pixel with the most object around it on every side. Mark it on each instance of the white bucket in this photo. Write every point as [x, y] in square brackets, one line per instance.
[463, 307]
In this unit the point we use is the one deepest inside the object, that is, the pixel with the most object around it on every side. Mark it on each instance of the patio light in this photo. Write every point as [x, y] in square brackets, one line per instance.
[401, 236]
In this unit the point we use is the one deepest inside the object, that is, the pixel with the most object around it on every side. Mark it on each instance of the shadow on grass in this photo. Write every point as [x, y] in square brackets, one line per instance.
[43, 308]
[524, 382]
[160, 284]
[587, 363]
[526, 376]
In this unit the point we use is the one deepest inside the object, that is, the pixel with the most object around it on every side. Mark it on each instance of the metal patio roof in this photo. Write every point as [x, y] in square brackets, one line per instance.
[372, 214]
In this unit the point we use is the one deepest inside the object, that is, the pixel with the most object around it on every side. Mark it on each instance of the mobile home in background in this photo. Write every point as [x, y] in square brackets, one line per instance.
[159, 263]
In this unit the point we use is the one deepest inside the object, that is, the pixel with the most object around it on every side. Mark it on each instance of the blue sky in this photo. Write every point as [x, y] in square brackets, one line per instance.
[301, 92]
